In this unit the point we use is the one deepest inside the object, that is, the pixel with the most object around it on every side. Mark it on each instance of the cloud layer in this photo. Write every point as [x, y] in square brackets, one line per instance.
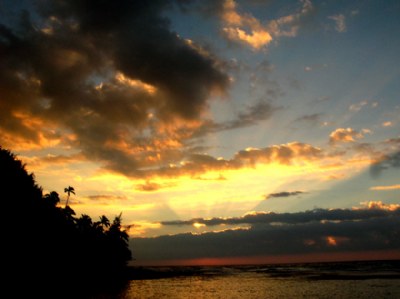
[315, 231]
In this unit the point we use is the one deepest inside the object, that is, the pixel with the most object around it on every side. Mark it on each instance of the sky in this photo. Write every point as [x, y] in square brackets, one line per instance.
[224, 131]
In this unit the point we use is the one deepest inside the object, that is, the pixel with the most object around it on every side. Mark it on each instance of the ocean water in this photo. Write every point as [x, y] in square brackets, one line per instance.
[328, 280]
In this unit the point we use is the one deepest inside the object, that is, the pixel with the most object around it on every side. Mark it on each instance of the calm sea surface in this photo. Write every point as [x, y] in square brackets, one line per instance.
[328, 280]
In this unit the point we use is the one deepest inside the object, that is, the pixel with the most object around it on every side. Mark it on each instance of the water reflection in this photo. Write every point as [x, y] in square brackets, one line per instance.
[327, 280]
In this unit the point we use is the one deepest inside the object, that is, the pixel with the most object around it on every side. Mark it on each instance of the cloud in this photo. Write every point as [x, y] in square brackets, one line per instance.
[246, 29]
[346, 135]
[148, 186]
[369, 210]
[194, 164]
[393, 141]
[142, 227]
[384, 188]
[106, 198]
[152, 186]
[312, 119]
[256, 36]
[315, 67]
[123, 91]
[379, 205]
[317, 231]
[287, 154]
[220, 177]
[358, 106]
[387, 124]
[284, 194]
[252, 115]
[52, 160]
[340, 22]
[284, 154]
[385, 162]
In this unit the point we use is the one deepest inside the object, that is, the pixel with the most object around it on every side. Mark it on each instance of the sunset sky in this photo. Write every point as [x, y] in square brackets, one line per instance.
[224, 128]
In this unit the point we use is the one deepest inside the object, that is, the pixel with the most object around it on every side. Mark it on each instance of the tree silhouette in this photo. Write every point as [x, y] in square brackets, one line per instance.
[104, 221]
[84, 223]
[69, 190]
[38, 232]
[52, 198]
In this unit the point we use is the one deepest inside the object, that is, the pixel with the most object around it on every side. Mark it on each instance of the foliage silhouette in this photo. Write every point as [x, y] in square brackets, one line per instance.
[47, 246]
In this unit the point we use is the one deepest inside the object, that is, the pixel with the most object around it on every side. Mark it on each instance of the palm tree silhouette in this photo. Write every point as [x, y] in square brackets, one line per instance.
[69, 190]
[104, 221]
[52, 198]
[84, 223]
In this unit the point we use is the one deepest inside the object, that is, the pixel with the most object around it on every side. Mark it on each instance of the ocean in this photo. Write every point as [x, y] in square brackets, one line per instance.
[372, 280]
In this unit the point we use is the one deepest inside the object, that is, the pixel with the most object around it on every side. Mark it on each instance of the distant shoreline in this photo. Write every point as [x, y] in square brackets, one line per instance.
[155, 265]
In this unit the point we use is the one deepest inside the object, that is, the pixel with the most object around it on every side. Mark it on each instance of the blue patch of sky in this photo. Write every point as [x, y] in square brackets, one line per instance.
[351, 192]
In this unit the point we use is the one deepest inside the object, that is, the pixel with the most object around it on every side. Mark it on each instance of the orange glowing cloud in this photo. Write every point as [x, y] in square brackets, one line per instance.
[345, 135]
[246, 29]
[331, 241]
[380, 205]
[258, 36]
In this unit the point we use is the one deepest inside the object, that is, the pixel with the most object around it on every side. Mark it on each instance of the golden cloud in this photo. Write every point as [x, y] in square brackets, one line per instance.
[246, 29]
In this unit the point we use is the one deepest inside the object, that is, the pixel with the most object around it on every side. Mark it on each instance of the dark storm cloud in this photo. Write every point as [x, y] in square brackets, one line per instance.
[82, 67]
[284, 194]
[348, 230]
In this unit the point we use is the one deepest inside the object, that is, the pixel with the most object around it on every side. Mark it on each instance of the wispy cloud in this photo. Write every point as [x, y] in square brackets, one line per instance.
[106, 197]
[250, 116]
[311, 119]
[149, 186]
[284, 194]
[340, 22]
[357, 106]
[385, 188]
